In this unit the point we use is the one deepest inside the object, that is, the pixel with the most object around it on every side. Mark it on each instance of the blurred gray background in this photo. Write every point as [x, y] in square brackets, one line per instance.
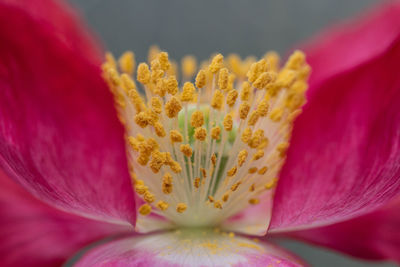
[206, 26]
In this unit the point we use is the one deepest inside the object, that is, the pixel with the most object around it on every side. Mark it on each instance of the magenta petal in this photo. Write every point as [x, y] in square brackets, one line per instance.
[59, 134]
[179, 249]
[344, 156]
[372, 236]
[35, 234]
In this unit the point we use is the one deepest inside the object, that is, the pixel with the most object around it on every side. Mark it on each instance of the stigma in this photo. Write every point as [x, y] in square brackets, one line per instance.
[205, 143]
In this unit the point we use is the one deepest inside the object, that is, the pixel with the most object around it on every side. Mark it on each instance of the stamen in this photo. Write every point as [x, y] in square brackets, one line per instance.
[228, 130]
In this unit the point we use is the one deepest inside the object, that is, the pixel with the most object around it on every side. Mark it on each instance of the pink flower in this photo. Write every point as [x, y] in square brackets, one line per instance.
[67, 162]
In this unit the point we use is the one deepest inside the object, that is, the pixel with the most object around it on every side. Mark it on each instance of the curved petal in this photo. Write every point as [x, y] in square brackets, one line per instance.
[59, 134]
[372, 236]
[35, 234]
[344, 157]
[350, 44]
[190, 248]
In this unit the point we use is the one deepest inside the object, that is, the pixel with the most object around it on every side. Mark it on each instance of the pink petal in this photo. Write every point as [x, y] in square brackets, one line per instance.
[372, 236]
[185, 249]
[344, 156]
[35, 234]
[59, 134]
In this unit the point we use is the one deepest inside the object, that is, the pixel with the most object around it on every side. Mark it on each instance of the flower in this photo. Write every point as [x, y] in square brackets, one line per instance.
[204, 157]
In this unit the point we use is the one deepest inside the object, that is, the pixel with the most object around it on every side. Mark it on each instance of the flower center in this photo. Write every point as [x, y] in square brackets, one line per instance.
[203, 153]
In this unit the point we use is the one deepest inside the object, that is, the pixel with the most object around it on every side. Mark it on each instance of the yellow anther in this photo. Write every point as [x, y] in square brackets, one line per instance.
[161, 87]
[112, 75]
[145, 209]
[282, 148]
[203, 172]
[217, 205]
[273, 60]
[245, 92]
[242, 157]
[148, 197]
[137, 101]
[143, 73]
[181, 207]
[111, 60]
[215, 132]
[235, 186]
[257, 138]
[140, 137]
[263, 170]
[304, 73]
[162, 205]
[127, 83]
[201, 79]
[231, 172]
[231, 97]
[231, 81]
[172, 85]
[262, 80]
[296, 60]
[200, 133]
[254, 201]
[167, 184]
[217, 63]
[244, 110]
[254, 116]
[264, 143]
[262, 108]
[157, 161]
[217, 100]
[213, 159]
[175, 167]
[196, 182]
[186, 150]
[276, 114]
[156, 105]
[172, 107]
[246, 135]
[286, 78]
[225, 197]
[142, 119]
[189, 66]
[235, 64]
[134, 143]
[164, 62]
[154, 50]
[223, 79]
[197, 119]
[127, 62]
[228, 122]
[211, 199]
[252, 170]
[176, 136]
[159, 128]
[258, 155]
[140, 188]
[271, 184]
[252, 188]
[188, 92]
